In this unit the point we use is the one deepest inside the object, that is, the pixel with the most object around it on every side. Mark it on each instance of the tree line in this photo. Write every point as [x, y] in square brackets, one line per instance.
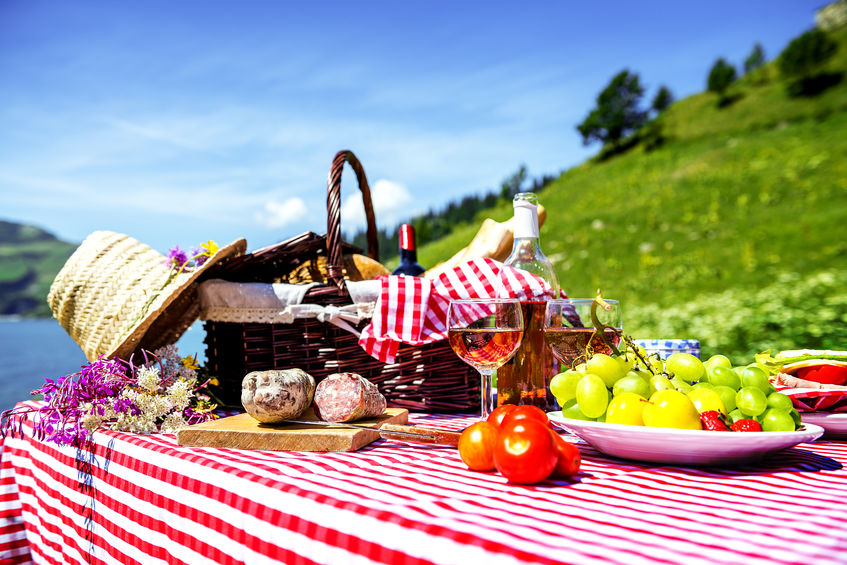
[435, 224]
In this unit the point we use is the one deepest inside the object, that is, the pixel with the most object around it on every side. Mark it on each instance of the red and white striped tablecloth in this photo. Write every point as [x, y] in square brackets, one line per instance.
[144, 499]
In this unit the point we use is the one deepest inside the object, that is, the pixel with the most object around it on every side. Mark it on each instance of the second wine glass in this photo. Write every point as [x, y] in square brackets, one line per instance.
[570, 331]
[485, 333]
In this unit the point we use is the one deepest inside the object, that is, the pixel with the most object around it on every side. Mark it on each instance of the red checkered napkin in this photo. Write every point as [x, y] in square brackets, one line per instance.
[413, 310]
[816, 399]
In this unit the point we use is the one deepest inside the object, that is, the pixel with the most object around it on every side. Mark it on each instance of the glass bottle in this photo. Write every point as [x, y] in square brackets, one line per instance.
[525, 378]
[409, 265]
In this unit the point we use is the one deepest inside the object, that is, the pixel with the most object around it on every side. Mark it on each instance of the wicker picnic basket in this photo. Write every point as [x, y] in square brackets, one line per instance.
[428, 378]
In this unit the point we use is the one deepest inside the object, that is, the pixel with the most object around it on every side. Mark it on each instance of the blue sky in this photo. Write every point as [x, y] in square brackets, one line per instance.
[179, 122]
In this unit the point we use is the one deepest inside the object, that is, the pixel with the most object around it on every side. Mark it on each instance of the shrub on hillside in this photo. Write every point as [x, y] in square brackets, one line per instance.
[662, 100]
[802, 60]
[617, 113]
[721, 76]
[795, 312]
[755, 59]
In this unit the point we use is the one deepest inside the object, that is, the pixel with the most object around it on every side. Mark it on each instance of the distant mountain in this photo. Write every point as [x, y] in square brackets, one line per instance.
[30, 258]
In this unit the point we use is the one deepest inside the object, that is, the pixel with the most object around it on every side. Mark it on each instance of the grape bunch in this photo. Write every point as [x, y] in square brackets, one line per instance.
[679, 392]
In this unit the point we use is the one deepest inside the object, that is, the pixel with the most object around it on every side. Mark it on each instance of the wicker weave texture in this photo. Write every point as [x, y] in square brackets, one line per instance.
[112, 298]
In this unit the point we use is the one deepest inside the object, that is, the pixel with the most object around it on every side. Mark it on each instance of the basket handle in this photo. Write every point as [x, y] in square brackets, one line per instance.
[333, 218]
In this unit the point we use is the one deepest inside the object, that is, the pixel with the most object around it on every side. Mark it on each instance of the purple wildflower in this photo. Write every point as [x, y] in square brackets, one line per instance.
[177, 258]
[95, 391]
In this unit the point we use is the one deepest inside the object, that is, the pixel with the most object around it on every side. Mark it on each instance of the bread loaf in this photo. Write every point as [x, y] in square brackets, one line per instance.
[355, 267]
[493, 240]
[275, 396]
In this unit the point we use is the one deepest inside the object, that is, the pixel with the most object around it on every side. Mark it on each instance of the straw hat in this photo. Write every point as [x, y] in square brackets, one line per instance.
[113, 296]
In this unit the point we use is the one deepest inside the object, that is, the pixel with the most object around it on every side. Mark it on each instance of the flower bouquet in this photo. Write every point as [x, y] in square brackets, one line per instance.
[162, 394]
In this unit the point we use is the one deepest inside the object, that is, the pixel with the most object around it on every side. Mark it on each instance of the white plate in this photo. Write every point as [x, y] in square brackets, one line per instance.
[684, 447]
[834, 423]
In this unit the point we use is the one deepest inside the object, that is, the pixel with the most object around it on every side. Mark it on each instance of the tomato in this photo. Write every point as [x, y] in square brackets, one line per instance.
[476, 446]
[825, 374]
[525, 451]
[497, 415]
[569, 458]
[526, 411]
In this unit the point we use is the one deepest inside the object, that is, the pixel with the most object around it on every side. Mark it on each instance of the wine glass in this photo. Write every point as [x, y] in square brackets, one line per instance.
[570, 331]
[485, 333]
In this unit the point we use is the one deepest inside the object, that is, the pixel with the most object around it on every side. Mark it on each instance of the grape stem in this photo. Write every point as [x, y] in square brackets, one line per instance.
[600, 327]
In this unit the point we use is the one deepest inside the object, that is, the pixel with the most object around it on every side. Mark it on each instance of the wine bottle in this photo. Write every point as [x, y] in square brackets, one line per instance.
[525, 378]
[409, 265]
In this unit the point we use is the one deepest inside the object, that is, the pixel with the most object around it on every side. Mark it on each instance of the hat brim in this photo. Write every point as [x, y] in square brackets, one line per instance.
[165, 324]
[116, 295]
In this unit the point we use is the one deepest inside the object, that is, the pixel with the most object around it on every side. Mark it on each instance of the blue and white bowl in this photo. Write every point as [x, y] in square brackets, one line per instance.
[666, 347]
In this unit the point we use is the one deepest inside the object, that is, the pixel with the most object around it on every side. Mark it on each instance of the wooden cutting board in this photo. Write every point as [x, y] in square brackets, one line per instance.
[242, 431]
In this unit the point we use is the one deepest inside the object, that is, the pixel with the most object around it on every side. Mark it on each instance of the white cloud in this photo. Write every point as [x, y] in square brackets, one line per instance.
[391, 201]
[280, 214]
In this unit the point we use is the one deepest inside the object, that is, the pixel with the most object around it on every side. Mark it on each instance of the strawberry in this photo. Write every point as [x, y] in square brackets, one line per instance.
[713, 421]
[746, 425]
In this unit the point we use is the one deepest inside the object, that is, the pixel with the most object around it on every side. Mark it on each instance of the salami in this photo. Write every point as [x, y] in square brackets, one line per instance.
[344, 397]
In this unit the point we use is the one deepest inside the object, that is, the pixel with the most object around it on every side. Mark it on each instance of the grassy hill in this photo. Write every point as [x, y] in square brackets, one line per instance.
[29, 260]
[731, 232]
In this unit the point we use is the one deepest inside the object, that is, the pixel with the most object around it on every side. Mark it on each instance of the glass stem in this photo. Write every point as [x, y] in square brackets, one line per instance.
[486, 405]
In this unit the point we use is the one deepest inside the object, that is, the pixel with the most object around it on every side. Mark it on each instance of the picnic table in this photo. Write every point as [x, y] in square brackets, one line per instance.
[145, 499]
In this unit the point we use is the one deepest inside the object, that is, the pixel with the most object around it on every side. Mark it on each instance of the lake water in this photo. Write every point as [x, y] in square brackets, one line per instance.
[34, 350]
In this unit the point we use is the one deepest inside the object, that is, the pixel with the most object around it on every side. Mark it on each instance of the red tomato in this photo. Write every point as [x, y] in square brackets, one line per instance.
[825, 374]
[496, 416]
[526, 411]
[569, 458]
[525, 451]
[476, 446]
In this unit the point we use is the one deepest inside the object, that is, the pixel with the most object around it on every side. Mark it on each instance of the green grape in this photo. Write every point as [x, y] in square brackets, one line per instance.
[795, 415]
[702, 384]
[721, 376]
[685, 366]
[580, 368]
[751, 400]
[779, 401]
[632, 382]
[776, 420]
[563, 386]
[626, 363]
[755, 377]
[771, 389]
[656, 364]
[605, 367]
[592, 395]
[570, 409]
[681, 385]
[736, 415]
[660, 382]
[718, 361]
[727, 394]
[738, 370]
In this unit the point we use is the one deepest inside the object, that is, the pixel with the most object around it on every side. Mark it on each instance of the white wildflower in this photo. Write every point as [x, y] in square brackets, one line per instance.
[148, 378]
[141, 424]
[179, 395]
[172, 423]
[90, 420]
